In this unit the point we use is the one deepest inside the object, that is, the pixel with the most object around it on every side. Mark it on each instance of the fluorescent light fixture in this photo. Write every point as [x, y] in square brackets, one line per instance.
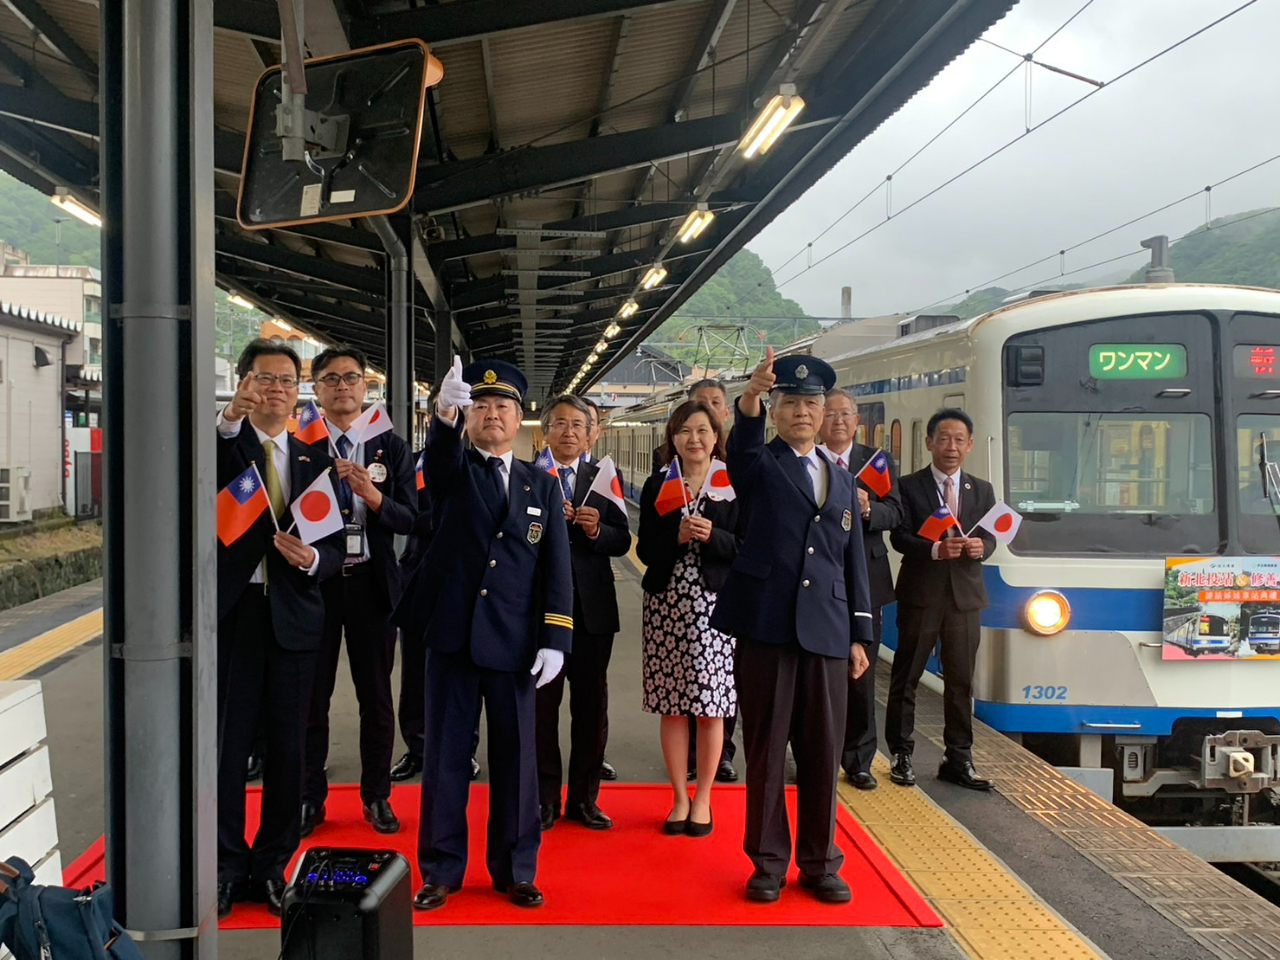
[695, 223]
[282, 325]
[628, 309]
[63, 200]
[611, 331]
[657, 273]
[240, 301]
[589, 361]
[602, 346]
[776, 116]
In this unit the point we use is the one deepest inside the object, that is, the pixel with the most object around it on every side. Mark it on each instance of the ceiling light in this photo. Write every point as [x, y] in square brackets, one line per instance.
[282, 325]
[628, 308]
[773, 119]
[589, 361]
[63, 200]
[240, 301]
[602, 346]
[657, 273]
[695, 223]
[611, 331]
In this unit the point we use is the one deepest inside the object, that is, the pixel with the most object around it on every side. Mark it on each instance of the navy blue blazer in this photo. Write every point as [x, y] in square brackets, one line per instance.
[801, 571]
[498, 586]
[399, 508]
[297, 608]
[593, 586]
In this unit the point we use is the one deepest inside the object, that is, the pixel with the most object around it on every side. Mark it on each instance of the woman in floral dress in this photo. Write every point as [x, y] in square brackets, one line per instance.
[688, 667]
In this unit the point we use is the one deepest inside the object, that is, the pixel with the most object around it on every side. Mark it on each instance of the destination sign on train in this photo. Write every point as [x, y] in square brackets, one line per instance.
[1137, 361]
[1256, 360]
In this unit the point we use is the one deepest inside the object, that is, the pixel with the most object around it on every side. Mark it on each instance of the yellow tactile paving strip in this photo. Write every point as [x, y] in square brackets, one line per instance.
[38, 651]
[990, 912]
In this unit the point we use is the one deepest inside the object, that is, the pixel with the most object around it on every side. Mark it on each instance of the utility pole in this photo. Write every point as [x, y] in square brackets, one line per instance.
[57, 242]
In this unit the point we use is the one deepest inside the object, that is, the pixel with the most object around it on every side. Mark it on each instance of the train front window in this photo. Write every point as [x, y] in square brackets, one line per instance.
[1258, 481]
[1113, 482]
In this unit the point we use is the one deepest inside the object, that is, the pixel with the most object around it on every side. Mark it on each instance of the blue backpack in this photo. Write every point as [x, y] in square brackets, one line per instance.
[57, 923]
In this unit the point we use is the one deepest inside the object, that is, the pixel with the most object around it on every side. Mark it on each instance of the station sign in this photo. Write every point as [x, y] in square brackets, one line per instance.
[1137, 361]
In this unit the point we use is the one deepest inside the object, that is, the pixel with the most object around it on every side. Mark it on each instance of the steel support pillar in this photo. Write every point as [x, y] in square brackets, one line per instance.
[160, 583]
[396, 236]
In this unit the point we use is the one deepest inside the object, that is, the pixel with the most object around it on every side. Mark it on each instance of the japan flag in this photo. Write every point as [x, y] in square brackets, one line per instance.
[1002, 522]
[316, 513]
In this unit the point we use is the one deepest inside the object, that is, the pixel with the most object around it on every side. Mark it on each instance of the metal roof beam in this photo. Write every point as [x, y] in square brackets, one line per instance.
[338, 274]
[463, 183]
[493, 289]
[54, 35]
[249, 274]
[472, 19]
[704, 52]
[354, 237]
[253, 18]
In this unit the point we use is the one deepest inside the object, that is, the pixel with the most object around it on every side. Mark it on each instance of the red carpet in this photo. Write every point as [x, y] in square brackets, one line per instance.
[632, 874]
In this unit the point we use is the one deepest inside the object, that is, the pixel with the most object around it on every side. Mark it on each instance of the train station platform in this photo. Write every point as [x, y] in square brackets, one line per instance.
[1039, 868]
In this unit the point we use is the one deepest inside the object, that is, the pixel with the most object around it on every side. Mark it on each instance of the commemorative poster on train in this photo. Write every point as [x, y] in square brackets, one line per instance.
[1222, 608]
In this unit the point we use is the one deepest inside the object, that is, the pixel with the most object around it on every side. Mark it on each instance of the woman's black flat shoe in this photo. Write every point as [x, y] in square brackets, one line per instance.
[694, 829]
[675, 828]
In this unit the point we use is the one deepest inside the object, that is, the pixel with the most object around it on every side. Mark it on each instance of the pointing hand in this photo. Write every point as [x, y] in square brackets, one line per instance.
[763, 377]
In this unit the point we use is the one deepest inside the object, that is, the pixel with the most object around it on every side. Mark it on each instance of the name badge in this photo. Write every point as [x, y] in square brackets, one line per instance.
[534, 511]
[355, 540]
[846, 521]
[377, 472]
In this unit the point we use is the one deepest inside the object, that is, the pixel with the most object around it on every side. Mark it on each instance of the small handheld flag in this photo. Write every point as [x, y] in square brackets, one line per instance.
[875, 474]
[374, 422]
[316, 512]
[938, 523]
[311, 426]
[546, 463]
[671, 495]
[607, 484]
[1001, 521]
[419, 474]
[717, 485]
[240, 503]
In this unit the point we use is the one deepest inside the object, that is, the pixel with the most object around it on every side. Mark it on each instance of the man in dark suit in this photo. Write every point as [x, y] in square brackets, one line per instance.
[878, 514]
[597, 531]
[270, 618]
[493, 597]
[378, 501]
[797, 601]
[940, 598]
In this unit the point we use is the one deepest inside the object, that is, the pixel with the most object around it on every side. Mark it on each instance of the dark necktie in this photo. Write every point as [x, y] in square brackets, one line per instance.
[566, 482]
[346, 499]
[495, 478]
[806, 465]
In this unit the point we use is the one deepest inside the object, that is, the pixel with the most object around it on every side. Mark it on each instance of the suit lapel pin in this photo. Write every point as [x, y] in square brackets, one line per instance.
[303, 459]
[967, 487]
[526, 489]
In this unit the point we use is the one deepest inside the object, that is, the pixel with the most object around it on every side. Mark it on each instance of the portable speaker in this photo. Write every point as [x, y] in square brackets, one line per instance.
[348, 904]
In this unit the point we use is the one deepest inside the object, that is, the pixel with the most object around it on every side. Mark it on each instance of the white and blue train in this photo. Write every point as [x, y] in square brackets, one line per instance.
[1123, 423]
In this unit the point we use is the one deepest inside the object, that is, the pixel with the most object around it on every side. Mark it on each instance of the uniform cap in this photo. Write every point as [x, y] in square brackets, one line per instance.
[495, 377]
[804, 375]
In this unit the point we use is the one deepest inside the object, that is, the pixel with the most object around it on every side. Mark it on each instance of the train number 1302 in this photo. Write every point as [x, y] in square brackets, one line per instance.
[1044, 693]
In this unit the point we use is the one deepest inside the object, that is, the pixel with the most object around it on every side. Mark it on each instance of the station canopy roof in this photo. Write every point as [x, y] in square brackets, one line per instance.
[566, 145]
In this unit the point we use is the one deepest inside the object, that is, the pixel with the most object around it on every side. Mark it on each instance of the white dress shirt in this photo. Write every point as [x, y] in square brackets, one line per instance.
[817, 473]
[504, 470]
[231, 428]
[834, 457]
[939, 479]
[359, 511]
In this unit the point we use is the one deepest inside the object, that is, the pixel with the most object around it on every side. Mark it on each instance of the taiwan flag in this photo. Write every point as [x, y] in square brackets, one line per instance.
[546, 463]
[419, 476]
[938, 523]
[311, 426]
[374, 422]
[1002, 521]
[240, 503]
[316, 512]
[671, 495]
[875, 474]
[717, 485]
[608, 484]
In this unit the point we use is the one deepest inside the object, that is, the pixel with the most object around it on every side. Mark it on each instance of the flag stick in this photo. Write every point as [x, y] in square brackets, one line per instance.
[991, 478]
[684, 490]
[270, 511]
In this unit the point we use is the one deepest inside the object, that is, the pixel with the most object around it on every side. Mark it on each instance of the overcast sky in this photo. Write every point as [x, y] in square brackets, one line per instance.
[1195, 116]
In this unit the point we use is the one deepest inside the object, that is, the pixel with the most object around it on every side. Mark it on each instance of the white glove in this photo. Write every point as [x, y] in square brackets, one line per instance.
[547, 666]
[454, 391]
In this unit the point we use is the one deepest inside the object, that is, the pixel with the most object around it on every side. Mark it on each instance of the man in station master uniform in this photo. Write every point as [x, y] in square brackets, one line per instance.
[798, 603]
[493, 598]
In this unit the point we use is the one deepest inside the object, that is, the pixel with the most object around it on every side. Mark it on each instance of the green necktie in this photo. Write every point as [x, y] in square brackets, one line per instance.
[274, 492]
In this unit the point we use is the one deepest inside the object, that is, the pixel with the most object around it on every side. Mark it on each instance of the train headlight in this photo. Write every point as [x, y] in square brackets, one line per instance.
[1046, 613]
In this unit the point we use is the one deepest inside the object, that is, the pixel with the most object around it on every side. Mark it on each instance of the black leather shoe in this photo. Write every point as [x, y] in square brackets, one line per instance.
[725, 772]
[694, 829]
[432, 895]
[381, 816]
[901, 771]
[312, 817]
[962, 774]
[475, 769]
[765, 887]
[828, 888]
[589, 815]
[406, 768]
[607, 772]
[227, 896]
[863, 780]
[253, 770]
[273, 891]
[549, 815]
[525, 895]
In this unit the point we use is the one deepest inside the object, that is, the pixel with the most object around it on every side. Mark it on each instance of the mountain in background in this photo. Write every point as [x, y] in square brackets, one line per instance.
[27, 222]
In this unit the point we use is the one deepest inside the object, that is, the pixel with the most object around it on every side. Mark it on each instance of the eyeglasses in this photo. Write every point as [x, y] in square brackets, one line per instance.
[579, 425]
[838, 415]
[333, 379]
[270, 380]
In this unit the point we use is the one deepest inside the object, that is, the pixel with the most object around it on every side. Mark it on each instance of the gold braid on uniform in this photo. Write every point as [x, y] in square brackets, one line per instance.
[558, 620]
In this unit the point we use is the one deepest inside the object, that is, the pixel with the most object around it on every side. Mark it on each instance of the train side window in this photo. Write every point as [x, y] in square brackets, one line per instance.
[954, 400]
[917, 445]
[895, 440]
[871, 424]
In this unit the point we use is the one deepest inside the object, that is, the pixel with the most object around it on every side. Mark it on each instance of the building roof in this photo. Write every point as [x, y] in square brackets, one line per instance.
[598, 124]
[13, 313]
[646, 365]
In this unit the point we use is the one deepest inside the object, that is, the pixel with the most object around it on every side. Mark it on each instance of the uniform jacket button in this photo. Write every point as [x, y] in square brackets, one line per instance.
[811, 549]
[493, 563]
[483, 592]
[804, 583]
[817, 518]
[499, 534]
